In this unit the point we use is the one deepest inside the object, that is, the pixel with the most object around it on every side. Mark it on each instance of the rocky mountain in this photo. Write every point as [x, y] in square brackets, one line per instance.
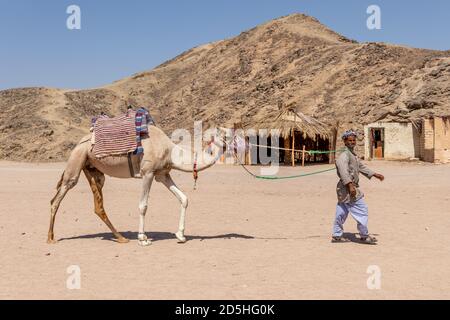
[290, 60]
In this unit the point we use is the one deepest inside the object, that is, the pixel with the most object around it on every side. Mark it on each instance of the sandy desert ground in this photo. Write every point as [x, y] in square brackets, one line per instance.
[248, 238]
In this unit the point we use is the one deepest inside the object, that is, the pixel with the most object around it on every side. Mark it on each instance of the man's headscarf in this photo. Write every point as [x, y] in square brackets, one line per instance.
[348, 133]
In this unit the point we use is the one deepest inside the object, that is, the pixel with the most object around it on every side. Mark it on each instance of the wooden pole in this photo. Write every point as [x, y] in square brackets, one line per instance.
[303, 156]
[300, 141]
[293, 140]
[317, 147]
[333, 143]
[293, 147]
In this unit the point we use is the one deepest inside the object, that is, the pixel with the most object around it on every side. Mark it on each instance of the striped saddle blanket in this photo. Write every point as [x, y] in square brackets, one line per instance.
[115, 136]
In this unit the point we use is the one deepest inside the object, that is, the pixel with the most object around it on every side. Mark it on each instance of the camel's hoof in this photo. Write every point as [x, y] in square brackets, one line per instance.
[181, 238]
[51, 241]
[123, 240]
[143, 240]
[144, 243]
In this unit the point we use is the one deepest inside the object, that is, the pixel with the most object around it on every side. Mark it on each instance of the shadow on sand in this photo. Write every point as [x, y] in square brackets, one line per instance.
[157, 236]
[354, 237]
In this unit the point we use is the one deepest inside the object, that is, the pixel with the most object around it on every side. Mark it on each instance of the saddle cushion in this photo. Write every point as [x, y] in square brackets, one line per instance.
[115, 136]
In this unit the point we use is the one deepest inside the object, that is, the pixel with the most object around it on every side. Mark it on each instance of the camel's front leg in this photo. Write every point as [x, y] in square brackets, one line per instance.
[143, 203]
[168, 182]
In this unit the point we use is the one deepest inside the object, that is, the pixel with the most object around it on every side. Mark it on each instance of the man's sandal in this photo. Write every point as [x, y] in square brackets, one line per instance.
[368, 240]
[339, 239]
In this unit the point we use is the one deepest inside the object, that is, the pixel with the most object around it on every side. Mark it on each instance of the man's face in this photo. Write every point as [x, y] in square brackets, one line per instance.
[350, 142]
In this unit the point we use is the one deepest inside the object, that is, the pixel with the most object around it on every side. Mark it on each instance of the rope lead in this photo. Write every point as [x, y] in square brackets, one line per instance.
[285, 177]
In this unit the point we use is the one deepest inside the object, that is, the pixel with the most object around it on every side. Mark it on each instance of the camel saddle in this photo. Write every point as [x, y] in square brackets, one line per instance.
[114, 136]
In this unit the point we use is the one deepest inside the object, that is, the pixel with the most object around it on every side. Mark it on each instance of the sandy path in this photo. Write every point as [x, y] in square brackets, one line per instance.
[249, 239]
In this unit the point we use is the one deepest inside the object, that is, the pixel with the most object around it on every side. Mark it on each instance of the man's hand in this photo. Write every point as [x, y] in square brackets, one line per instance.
[379, 176]
[352, 190]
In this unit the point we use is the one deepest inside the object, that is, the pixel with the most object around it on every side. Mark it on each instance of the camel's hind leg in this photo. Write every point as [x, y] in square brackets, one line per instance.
[69, 179]
[62, 189]
[96, 180]
[168, 182]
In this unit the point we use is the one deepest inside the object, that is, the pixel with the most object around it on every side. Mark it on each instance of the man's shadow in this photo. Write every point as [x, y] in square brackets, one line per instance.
[353, 237]
[157, 236]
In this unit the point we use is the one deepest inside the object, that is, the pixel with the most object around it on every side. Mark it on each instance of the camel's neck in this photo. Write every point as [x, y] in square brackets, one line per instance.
[202, 161]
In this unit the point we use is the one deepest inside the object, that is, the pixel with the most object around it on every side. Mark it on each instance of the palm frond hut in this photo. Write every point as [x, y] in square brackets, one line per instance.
[300, 132]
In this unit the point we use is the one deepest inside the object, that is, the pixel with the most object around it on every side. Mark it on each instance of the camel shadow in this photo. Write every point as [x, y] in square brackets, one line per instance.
[157, 236]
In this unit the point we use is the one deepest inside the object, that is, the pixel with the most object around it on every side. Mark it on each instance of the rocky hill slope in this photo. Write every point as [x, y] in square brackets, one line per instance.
[293, 59]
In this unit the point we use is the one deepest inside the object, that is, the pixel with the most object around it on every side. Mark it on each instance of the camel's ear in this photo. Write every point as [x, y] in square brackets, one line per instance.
[221, 131]
[224, 132]
[219, 134]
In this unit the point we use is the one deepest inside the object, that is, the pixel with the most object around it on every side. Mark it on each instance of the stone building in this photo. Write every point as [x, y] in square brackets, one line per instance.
[427, 140]
[435, 140]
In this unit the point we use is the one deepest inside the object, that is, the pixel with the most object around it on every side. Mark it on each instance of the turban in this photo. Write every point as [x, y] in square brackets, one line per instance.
[348, 133]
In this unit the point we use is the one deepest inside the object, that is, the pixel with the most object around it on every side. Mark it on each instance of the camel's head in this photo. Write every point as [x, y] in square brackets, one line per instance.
[216, 137]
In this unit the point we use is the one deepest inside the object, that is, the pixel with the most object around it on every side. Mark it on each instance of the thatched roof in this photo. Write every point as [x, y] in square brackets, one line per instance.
[291, 119]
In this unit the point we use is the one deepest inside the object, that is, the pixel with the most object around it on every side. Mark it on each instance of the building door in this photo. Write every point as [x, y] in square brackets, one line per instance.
[377, 143]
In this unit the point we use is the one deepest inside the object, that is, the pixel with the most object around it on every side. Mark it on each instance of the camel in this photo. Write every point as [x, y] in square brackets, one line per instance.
[156, 164]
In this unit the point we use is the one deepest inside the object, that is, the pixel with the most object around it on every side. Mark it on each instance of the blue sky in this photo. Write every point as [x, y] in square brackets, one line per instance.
[120, 38]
